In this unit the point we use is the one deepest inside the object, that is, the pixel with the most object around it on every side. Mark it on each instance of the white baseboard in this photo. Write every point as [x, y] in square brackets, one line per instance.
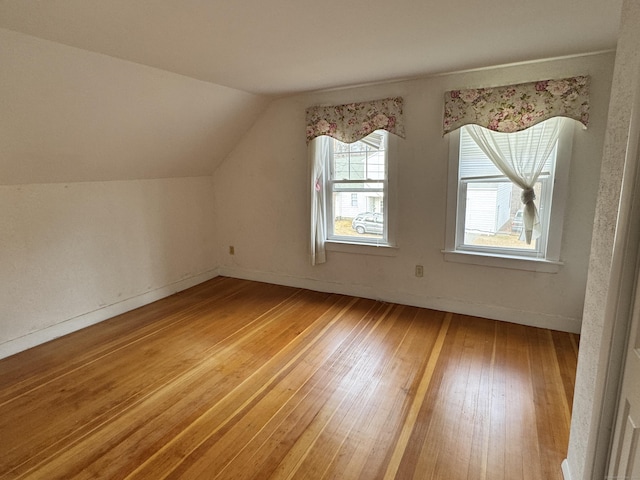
[533, 319]
[30, 340]
[565, 470]
[493, 312]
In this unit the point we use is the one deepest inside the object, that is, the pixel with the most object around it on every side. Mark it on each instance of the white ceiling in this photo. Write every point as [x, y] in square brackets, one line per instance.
[284, 46]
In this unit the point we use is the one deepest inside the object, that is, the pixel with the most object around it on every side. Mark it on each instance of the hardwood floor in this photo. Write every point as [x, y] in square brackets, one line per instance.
[242, 380]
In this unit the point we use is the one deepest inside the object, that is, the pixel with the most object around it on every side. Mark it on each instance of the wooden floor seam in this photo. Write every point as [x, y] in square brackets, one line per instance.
[234, 379]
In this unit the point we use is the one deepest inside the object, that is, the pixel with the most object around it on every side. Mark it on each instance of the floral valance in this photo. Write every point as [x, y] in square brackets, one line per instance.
[516, 107]
[354, 121]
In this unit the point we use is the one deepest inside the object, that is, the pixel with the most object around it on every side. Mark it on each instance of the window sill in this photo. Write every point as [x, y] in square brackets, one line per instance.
[361, 248]
[503, 261]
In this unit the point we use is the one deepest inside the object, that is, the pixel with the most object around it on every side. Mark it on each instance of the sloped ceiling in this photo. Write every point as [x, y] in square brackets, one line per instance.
[279, 47]
[70, 115]
[98, 90]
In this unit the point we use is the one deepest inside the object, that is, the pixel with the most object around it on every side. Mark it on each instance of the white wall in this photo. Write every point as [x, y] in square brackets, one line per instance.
[105, 184]
[76, 253]
[612, 267]
[261, 193]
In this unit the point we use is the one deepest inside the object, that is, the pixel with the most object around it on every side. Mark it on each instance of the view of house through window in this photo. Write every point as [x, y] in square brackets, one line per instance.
[493, 215]
[356, 209]
[489, 206]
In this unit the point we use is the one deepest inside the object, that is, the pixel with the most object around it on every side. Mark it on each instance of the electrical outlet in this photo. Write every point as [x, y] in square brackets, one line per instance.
[232, 250]
[419, 270]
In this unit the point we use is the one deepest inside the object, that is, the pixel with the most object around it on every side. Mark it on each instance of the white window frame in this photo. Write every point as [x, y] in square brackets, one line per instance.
[385, 245]
[544, 259]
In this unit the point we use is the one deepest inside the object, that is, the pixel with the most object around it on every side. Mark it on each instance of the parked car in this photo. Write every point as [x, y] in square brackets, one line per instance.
[517, 223]
[368, 223]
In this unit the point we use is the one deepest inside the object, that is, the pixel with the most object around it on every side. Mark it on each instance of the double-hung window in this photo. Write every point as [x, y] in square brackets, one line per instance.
[352, 175]
[485, 215]
[357, 187]
[522, 129]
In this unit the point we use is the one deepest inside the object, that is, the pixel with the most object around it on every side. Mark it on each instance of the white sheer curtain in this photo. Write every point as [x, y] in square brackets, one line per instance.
[319, 152]
[521, 157]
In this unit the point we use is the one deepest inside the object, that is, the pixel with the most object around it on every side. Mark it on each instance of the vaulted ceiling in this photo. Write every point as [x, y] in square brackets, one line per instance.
[279, 47]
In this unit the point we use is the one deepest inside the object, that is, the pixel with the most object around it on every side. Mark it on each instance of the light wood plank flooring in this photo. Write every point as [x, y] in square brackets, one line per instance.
[242, 380]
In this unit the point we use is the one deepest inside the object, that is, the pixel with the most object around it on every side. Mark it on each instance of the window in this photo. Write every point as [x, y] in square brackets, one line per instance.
[339, 170]
[485, 211]
[357, 190]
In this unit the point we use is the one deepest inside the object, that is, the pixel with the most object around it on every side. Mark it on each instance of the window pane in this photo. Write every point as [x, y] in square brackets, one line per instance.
[357, 167]
[358, 214]
[375, 166]
[474, 162]
[356, 190]
[341, 167]
[359, 160]
[339, 147]
[494, 215]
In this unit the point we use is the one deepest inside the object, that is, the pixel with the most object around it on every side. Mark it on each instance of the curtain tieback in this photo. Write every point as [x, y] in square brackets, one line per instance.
[528, 195]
